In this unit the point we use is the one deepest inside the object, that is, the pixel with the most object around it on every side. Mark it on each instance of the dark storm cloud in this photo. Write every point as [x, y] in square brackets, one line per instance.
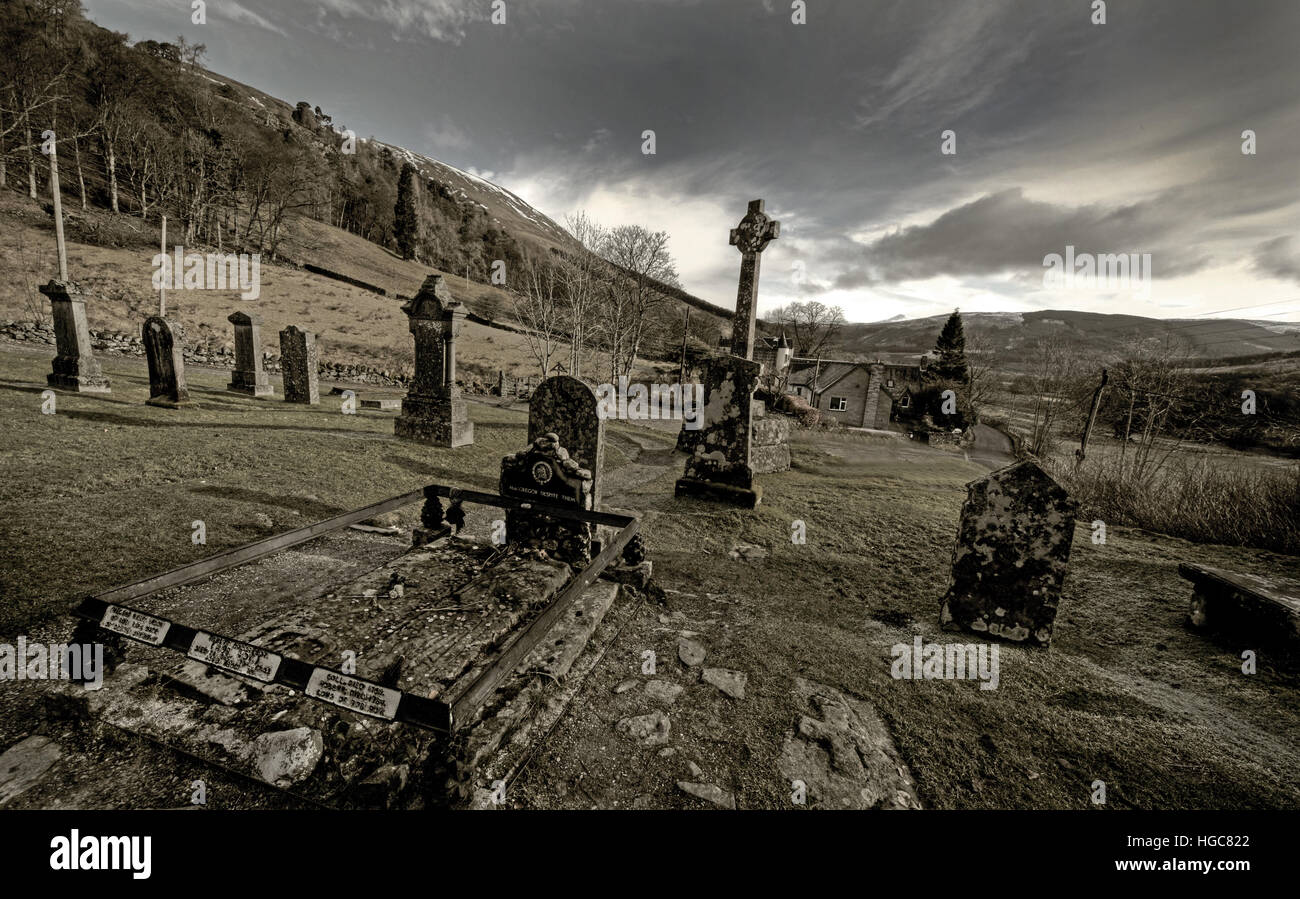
[1120, 135]
[1005, 231]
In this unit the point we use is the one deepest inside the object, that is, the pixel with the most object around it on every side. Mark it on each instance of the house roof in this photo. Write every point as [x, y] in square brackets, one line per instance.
[830, 373]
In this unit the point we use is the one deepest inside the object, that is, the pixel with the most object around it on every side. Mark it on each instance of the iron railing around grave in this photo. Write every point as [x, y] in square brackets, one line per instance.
[443, 713]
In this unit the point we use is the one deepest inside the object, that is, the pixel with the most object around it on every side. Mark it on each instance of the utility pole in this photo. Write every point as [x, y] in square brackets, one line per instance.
[162, 290]
[686, 326]
[58, 208]
[1092, 417]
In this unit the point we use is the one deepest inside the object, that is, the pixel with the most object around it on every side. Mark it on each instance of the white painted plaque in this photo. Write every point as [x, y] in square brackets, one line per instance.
[231, 655]
[353, 693]
[136, 625]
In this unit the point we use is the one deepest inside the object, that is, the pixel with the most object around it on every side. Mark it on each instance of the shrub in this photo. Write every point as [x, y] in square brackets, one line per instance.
[1199, 498]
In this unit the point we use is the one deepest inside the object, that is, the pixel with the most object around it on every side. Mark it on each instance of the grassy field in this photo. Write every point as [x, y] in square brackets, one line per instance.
[104, 492]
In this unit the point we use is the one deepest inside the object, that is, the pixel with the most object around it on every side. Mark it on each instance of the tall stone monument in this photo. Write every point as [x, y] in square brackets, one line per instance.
[75, 367]
[433, 411]
[248, 377]
[720, 466]
[164, 353]
[298, 366]
[1012, 550]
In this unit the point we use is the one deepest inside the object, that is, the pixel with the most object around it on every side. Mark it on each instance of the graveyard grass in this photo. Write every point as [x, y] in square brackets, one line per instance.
[104, 492]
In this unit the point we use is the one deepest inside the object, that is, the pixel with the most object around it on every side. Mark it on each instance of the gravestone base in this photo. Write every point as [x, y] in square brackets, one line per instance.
[249, 384]
[165, 402]
[438, 421]
[79, 379]
[716, 491]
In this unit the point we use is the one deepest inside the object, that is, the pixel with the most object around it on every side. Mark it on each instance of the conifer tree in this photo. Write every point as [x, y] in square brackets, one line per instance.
[406, 224]
[951, 349]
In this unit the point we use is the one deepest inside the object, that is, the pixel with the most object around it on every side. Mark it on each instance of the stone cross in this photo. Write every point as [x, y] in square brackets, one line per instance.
[1012, 550]
[75, 367]
[433, 411]
[166, 363]
[248, 376]
[298, 366]
[751, 237]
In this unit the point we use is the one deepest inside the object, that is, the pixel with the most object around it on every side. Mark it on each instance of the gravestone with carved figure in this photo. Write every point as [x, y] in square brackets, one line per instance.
[433, 410]
[720, 466]
[1012, 551]
[75, 367]
[249, 376]
[164, 353]
[560, 467]
[565, 406]
[298, 366]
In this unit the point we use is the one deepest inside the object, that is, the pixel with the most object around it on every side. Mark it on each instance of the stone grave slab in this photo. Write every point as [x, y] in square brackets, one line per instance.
[1011, 555]
[248, 376]
[75, 367]
[1245, 606]
[164, 352]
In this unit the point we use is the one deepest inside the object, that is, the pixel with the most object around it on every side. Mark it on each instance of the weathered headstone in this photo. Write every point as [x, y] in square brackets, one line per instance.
[719, 468]
[561, 467]
[166, 359]
[248, 377]
[75, 367]
[546, 473]
[433, 411]
[298, 366]
[1009, 563]
[564, 406]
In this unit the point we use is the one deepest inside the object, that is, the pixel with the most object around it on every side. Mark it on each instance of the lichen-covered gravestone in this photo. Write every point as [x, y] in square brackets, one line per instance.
[75, 367]
[248, 377]
[298, 366]
[433, 411]
[719, 468]
[1009, 564]
[547, 473]
[561, 467]
[166, 361]
[567, 407]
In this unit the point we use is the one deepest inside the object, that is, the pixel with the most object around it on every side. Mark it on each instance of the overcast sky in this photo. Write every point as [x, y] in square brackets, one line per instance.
[1117, 138]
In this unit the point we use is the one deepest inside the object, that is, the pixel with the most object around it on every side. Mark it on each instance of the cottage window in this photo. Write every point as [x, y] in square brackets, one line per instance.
[839, 403]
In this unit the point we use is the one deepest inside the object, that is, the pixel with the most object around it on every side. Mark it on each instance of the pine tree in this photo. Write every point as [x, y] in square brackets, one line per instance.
[406, 224]
[951, 350]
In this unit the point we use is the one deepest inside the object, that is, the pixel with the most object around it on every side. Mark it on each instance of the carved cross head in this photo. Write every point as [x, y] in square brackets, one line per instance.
[755, 230]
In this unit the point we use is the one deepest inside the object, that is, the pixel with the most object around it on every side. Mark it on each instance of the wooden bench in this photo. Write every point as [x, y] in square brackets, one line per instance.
[1266, 609]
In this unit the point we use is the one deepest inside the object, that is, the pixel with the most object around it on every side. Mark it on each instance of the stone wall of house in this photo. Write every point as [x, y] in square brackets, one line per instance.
[853, 387]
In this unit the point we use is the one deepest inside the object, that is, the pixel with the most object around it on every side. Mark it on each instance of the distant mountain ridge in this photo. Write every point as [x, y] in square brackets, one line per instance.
[1010, 334]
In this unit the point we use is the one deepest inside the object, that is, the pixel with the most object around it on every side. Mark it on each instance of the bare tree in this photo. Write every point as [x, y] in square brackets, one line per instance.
[581, 273]
[639, 258]
[539, 305]
[812, 325]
